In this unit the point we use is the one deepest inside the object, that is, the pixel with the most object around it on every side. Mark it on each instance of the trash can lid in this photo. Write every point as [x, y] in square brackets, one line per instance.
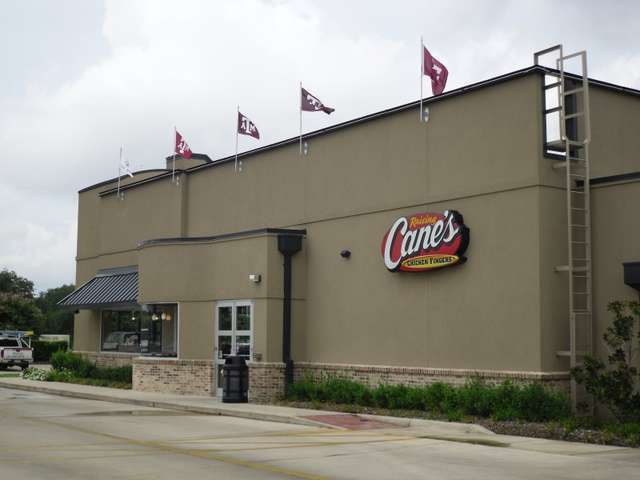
[235, 360]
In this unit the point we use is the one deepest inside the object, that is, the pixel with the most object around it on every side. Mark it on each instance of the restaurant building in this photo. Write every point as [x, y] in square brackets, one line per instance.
[390, 250]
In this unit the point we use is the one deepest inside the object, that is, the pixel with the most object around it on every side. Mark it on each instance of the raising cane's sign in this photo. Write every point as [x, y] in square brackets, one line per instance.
[425, 241]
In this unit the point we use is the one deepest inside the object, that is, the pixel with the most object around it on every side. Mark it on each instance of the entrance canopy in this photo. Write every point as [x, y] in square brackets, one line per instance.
[110, 288]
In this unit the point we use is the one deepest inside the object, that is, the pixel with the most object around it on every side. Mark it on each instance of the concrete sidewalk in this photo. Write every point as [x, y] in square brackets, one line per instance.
[417, 428]
[213, 406]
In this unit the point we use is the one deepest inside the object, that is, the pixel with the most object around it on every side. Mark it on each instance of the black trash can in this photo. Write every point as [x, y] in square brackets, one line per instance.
[235, 382]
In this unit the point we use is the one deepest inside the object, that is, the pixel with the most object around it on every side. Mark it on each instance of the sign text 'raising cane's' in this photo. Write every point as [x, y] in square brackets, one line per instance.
[425, 241]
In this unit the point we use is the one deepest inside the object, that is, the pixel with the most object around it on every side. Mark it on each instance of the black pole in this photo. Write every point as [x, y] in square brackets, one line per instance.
[288, 245]
[286, 323]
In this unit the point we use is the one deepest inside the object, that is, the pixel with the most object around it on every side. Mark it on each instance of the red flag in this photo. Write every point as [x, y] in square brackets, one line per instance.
[247, 127]
[309, 103]
[182, 147]
[436, 71]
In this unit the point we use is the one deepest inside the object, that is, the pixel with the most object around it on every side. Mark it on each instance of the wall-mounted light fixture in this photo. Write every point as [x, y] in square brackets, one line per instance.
[345, 253]
[255, 277]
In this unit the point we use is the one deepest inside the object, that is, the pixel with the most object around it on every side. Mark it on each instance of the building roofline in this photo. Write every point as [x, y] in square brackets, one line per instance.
[223, 236]
[115, 179]
[194, 156]
[384, 113]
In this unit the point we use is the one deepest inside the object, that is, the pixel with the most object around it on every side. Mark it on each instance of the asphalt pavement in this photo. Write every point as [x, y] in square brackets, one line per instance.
[53, 437]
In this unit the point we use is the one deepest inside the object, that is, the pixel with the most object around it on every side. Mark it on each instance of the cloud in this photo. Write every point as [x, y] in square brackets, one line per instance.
[152, 65]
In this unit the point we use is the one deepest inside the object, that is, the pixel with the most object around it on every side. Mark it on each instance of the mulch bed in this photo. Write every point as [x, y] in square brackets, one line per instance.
[554, 431]
[549, 430]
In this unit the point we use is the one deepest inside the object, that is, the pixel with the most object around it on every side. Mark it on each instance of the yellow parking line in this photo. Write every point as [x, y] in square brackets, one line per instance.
[190, 452]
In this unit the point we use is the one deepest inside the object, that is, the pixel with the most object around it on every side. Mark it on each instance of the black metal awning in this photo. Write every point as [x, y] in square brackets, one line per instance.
[114, 287]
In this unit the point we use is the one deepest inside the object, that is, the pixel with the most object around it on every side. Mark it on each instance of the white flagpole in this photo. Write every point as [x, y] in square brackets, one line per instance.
[119, 167]
[175, 135]
[237, 116]
[421, 73]
[300, 95]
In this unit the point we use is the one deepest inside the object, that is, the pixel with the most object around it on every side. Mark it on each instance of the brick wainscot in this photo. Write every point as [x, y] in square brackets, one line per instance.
[266, 381]
[105, 359]
[374, 375]
[172, 375]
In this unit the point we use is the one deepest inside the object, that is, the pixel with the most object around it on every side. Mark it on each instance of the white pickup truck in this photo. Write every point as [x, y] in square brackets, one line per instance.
[15, 350]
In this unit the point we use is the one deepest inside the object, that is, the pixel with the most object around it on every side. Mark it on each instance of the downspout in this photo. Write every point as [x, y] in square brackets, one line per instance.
[288, 245]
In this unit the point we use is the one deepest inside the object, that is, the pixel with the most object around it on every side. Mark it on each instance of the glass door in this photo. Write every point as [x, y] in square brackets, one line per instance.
[234, 327]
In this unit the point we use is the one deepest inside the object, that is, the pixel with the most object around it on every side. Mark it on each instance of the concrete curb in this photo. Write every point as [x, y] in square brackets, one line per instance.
[246, 413]
[250, 415]
[439, 425]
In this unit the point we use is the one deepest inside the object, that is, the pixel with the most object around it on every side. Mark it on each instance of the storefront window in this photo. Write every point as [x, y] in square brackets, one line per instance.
[149, 332]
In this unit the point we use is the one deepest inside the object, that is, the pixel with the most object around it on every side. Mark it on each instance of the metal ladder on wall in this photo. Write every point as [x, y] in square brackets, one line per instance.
[573, 149]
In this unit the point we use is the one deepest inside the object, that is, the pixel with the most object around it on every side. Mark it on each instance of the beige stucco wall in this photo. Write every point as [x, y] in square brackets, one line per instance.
[615, 233]
[482, 314]
[615, 132]
[206, 271]
[90, 216]
[346, 192]
[554, 328]
[197, 275]
[86, 331]
[480, 153]
[616, 239]
[388, 163]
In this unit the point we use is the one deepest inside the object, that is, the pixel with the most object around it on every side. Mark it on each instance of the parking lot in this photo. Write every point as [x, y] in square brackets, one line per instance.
[50, 437]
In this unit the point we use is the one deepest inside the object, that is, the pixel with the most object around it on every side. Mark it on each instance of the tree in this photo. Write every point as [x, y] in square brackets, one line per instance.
[11, 283]
[18, 310]
[19, 313]
[56, 319]
[616, 383]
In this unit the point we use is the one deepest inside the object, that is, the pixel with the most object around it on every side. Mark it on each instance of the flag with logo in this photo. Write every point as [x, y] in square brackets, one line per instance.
[182, 147]
[247, 127]
[244, 127]
[311, 103]
[125, 166]
[435, 70]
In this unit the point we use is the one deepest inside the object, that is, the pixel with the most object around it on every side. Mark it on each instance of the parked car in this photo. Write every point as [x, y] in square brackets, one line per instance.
[15, 349]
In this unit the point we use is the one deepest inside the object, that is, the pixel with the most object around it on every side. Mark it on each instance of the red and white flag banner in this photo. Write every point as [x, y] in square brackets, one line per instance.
[310, 103]
[436, 71]
[182, 147]
[247, 127]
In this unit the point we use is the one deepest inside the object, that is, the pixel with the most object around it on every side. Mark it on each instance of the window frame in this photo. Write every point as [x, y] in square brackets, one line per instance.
[140, 310]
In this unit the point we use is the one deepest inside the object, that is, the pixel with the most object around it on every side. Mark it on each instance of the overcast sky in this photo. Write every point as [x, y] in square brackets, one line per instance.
[82, 77]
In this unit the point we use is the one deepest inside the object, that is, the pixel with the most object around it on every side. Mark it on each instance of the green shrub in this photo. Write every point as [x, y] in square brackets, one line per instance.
[615, 383]
[339, 390]
[435, 396]
[538, 404]
[305, 389]
[73, 362]
[476, 399]
[42, 351]
[507, 401]
[63, 375]
[82, 368]
[122, 374]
